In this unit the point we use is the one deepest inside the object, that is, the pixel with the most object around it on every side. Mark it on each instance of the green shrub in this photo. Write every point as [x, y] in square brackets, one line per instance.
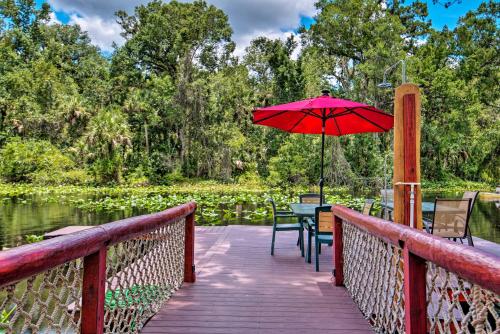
[137, 178]
[251, 178]
[174, 177]
[20, 160]
[71, 177]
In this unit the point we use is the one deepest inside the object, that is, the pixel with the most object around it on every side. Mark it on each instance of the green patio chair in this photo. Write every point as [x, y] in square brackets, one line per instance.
[310, 198]
[285, 226]
[323, 231]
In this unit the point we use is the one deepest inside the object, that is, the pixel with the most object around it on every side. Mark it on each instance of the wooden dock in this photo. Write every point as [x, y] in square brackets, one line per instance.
[241, 288]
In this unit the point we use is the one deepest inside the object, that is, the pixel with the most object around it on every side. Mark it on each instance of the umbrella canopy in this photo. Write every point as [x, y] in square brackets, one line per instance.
[324, 115]
[341, 117]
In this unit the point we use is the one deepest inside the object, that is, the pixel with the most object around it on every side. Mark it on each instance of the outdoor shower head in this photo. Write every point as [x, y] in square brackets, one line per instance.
[385, 83]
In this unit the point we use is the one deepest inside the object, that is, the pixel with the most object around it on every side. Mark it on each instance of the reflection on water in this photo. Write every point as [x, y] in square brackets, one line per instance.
[19, 218]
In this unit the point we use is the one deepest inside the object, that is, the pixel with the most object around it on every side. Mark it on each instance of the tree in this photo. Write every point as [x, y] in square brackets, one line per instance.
[51, 77]
[106, 143]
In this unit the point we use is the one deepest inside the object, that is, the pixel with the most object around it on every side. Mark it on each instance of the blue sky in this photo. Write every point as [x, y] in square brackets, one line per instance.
[449, 17]
[249, 18]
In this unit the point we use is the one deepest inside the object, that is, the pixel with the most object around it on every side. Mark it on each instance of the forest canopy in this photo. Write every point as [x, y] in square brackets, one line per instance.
[175, 102]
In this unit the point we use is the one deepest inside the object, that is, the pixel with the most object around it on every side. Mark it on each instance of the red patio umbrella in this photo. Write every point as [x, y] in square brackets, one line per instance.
[324, 115]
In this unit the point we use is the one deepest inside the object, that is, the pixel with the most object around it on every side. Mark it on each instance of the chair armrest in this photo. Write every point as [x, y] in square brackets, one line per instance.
[280, 212]
[310, 221]
[285, 214]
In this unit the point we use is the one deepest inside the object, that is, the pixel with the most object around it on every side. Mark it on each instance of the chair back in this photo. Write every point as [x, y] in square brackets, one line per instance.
[273, 204]
[324, 219]
[310, 198]
[472, 195]
[387, 195]
[451, 217]
[367, 207]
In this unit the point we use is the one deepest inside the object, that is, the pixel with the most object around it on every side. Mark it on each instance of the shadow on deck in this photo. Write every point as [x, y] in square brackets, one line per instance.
[240, 288]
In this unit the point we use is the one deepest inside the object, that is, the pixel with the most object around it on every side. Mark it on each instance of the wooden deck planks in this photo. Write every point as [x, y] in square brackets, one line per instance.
[241, 288]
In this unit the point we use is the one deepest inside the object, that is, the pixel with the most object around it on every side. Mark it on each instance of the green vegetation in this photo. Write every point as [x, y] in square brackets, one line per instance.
[32, 238]
[135, 295]
[174, 102]
[213, 199]
[5, 315]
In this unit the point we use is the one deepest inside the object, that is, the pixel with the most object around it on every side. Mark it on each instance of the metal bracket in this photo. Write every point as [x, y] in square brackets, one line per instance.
[412, 199]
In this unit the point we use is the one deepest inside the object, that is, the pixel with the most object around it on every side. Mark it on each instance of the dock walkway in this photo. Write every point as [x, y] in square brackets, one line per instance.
[241, 288]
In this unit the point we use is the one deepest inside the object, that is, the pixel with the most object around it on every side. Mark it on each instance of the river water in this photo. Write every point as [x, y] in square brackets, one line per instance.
[19, 218]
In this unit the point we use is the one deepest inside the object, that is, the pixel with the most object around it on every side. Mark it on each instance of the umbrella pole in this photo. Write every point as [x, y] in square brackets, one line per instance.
[321, 180]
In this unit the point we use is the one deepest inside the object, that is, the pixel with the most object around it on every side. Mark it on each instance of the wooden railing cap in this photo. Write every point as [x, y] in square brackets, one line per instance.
[467, 262]
[24, 261]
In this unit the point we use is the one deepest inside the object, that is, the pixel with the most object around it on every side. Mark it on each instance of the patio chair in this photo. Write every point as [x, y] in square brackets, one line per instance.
[386, 195]
[368, 206]
[310, 198]
[323, 231]
[285, 226]
[451, 218]
[472, 195]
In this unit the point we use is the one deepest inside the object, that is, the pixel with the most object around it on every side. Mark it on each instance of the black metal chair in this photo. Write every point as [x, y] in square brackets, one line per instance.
[285, 226]
[451, 218]
[368, 206]
[472, 195]
[387, 195]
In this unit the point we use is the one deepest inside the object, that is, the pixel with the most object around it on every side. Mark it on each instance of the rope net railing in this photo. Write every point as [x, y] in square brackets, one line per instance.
[373, 275]
[407, 281]
[107, 279]
[142, 274]
[454, 305]
[45, 303]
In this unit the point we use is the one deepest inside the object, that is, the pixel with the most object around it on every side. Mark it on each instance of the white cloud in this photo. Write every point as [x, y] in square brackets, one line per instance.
[103, 8]
[53, 19]
[103, 32]
[248, 18]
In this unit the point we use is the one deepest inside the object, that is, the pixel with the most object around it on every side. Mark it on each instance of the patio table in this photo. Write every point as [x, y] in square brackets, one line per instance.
[427, 207]
[304, 210]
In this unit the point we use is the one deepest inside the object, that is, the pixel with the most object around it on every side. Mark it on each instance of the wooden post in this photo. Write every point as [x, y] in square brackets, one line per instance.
[407, 154]
[189, 269]
[338, 251]
[415, 293]
[93, 292]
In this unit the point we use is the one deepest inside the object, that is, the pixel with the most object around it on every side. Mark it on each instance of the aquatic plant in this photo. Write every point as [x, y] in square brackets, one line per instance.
[32, 238]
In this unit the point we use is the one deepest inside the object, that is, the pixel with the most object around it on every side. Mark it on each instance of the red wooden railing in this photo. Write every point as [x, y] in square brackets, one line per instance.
[25, 261]
[419, 249]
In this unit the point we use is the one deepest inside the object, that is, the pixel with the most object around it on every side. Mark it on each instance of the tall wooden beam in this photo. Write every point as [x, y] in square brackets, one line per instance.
[407, 154]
